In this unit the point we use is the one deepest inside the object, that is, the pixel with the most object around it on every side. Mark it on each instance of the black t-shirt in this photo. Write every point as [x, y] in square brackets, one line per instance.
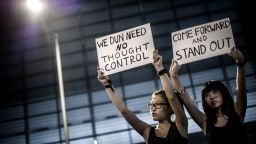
[233, 132]
[173, 137]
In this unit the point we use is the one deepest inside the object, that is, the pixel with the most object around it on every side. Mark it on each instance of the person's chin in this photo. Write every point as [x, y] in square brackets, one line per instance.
[155, 119]
[215, 106]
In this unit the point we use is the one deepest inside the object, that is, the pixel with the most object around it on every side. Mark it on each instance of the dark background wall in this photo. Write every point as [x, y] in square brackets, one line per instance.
[29, 98]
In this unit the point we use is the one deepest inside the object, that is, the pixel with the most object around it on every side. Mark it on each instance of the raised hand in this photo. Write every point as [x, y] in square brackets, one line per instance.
[102, 78]
[237, 55]
[174, 68]
[157, 60]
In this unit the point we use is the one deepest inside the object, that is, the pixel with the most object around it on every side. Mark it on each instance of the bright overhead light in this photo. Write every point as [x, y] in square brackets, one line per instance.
[35, 5]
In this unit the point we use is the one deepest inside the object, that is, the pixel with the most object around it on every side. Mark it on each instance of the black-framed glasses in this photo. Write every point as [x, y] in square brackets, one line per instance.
[156, 105]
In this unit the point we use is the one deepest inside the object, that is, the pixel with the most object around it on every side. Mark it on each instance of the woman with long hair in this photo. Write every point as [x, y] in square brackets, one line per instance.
[222, 120]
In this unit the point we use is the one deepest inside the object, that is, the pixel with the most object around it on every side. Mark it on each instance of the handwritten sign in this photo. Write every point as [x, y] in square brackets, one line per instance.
[125, 50]
[202, 41]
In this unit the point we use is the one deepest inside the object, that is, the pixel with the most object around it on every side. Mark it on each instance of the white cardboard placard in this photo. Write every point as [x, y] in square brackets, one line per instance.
[202, 41]
[125, 50]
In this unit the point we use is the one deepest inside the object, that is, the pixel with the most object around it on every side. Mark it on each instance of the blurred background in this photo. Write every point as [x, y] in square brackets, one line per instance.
[30, 111]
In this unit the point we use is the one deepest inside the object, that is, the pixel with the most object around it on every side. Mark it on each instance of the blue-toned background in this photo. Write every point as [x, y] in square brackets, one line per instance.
[30, 106]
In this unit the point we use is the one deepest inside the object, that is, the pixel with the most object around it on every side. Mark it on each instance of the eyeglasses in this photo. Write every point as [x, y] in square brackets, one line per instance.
[156, 105]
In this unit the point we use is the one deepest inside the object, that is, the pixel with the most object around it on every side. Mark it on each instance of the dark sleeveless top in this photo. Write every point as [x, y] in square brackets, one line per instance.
[234, 132]
[173, 137]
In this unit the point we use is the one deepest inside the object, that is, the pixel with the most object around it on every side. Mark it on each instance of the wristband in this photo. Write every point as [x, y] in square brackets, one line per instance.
[162, 71]
[181, 92]
[241, 64]
[109, 85]
[109, 82]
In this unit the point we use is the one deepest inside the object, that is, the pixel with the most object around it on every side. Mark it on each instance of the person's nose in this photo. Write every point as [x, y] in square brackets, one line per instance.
[153, 108]
[211, 95]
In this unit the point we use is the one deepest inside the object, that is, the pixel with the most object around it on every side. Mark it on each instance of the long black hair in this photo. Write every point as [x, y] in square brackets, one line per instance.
[227, 107]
